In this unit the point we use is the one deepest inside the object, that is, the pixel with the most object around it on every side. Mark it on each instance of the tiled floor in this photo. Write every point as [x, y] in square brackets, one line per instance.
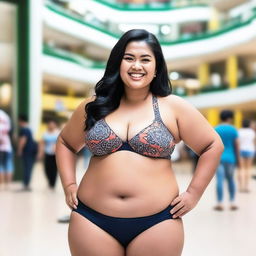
[28, 221]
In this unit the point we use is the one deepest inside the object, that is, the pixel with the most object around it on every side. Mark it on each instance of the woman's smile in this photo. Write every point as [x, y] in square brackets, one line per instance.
[136, 76]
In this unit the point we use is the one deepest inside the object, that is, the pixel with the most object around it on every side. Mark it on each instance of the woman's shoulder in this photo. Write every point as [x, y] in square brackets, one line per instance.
[175, 102]
[87, 100]
[172, 98]
[81, 107]
[78, 116]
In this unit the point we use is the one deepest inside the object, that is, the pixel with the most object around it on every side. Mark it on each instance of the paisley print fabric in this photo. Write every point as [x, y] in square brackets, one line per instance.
[101, 140]
[154, 140]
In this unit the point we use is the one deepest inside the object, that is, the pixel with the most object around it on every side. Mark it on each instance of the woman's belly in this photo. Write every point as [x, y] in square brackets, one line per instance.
[125, 184]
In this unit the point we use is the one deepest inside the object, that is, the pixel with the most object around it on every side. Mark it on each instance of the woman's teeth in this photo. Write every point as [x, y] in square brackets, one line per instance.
[137, 75]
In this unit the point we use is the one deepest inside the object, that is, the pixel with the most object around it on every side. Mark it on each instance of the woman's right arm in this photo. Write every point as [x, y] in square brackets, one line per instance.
[69, 143]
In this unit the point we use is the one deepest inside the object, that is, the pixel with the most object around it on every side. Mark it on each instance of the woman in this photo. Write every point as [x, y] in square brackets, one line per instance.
[128, 202]
[6, 159]
[247, 150]
[47, 148]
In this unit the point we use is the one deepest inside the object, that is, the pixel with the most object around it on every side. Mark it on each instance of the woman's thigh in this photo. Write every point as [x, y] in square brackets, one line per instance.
[87, 239]
[248, 163]
[242, 163]
[165, 238]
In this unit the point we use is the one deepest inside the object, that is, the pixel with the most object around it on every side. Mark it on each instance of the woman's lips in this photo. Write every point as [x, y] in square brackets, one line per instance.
[136, 76]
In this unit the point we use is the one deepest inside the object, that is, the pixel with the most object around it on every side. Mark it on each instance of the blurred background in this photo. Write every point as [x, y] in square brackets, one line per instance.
[52, 53]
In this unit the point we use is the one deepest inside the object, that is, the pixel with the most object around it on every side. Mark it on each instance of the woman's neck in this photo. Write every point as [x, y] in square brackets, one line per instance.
[136, 97]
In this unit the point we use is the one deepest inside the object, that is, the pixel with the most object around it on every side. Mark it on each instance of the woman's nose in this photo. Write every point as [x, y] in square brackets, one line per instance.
[136, 65]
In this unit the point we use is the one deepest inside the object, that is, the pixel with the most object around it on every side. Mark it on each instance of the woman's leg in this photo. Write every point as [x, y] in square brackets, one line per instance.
[28, 162]
[241, 171]
[2, 169]
[220, 175]
[1, 179]
[87, 239]
[247, 173]
[165, 238]
[9, 169]
[53, 176]
[47, 168]
[229, 172]
[50, 169]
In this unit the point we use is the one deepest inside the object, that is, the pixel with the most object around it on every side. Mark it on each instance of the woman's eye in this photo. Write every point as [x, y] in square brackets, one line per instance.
[128, 58]
[145, 60]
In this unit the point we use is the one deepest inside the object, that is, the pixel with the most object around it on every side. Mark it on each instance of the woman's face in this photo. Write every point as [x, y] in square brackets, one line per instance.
[138, 65]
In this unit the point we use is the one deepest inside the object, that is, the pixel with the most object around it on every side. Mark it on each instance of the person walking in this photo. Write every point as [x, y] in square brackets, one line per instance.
[46, 152]
[247, 152]
[6, 152]
[229, 159]
[27, 150]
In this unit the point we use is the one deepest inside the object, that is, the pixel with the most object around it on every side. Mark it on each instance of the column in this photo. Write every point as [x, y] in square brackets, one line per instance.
[23, 64]
[213, 116]
[35, 59]
[203, 74]
[232, 71]
[214, 22]
[238, 117]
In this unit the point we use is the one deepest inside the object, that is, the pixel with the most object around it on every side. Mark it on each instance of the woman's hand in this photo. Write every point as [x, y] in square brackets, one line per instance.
[71, 195]
[183, 204]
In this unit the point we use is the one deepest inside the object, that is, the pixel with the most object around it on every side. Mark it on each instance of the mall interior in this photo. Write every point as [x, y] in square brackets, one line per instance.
[53, 52]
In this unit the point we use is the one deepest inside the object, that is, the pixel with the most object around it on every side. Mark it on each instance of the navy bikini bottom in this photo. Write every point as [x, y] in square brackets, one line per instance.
[123, 229]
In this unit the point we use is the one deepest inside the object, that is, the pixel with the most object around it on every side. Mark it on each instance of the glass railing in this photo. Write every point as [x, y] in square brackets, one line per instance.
[87, 21]
[230, 22]
[152, 5]
[108, 27]
[72, 57]
[190, 2]
[125, 5]
[246, 81]
[114, 30]
[212, 88]
[242, 82]
[182, 91]
[226, 26]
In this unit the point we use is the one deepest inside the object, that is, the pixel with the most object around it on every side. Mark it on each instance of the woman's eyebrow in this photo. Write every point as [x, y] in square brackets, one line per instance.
[146, 55]
[142, 56]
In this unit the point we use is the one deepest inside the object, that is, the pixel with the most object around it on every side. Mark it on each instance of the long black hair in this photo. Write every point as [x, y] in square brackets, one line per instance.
[110, 88]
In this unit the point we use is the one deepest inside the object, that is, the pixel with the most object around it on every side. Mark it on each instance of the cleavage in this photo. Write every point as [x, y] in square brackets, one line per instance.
[128, 136]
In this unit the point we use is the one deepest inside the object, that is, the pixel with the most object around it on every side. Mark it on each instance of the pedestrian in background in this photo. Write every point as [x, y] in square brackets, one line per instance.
[47, 148]
[229, 159]
[27, 150]
[6, 157]
[247, 151]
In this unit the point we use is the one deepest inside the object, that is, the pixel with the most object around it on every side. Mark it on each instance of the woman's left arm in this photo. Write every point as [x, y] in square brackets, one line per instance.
[199, 135]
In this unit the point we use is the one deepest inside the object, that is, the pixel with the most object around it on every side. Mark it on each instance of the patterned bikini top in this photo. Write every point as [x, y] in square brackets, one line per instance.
[155, 140]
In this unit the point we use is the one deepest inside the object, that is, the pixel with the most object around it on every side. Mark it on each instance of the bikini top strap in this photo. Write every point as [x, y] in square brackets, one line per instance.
[156, 108]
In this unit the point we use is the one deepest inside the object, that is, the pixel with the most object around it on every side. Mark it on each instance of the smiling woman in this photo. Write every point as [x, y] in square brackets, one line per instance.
[138, 64]
[128, 201]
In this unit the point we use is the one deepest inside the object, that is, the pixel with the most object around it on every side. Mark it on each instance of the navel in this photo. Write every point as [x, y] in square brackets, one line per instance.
[123, 197]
